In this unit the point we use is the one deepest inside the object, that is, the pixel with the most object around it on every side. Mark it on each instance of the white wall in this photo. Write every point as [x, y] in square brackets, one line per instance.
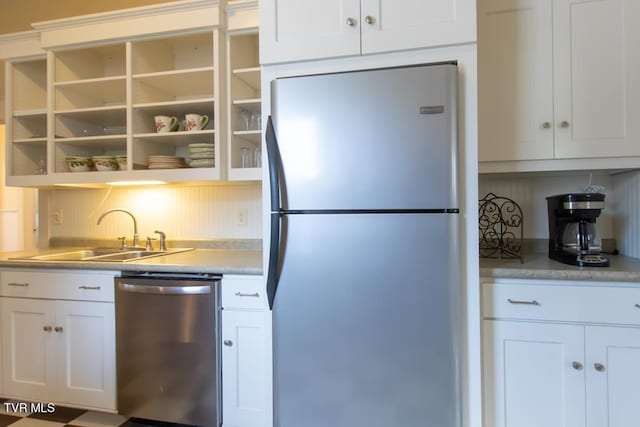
[17, 211]
[530, 192]
[189, 212]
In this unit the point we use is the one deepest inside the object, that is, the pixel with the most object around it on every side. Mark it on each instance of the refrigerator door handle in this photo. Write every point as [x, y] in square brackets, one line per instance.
[274, 258]
[274, 241]
[272, 158]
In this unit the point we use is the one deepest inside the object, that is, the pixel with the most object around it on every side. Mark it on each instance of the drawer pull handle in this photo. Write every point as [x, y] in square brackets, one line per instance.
[599, 367]
[46, 328]
[21, 285]
[515, 301]
[577, 366]
[91, 288]
[58, 329]
[240, 294]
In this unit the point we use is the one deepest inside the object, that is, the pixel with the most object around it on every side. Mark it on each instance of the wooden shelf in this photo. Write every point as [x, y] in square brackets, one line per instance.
[250, 76]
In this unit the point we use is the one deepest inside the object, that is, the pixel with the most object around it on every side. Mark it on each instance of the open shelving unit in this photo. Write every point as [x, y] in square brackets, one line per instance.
[244, 87]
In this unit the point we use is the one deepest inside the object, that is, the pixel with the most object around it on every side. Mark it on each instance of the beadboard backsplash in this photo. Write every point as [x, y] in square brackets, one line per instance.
[184, 212]
[627, 224]
[530, 192]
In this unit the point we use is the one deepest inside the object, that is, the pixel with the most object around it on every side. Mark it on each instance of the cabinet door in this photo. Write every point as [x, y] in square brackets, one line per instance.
[85, 340]
[244, 362]
[515, 91]
[613, 375]
[530, 379]
[597, 82]
[297, 30]
[389, 25]
[28, 364]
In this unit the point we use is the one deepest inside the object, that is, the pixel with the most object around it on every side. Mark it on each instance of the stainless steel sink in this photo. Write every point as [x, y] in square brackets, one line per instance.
[103, 255]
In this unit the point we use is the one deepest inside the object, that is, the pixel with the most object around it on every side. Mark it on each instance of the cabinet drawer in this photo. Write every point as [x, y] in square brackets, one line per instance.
[72, 285]
[598, 304]
[248, 293]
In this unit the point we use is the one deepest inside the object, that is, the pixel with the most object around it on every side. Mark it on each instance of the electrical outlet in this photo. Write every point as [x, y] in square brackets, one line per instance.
[241, 216]
[57, 217]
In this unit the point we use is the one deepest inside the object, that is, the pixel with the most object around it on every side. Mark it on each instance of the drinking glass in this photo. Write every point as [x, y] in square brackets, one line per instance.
[245, 157]
[245, 120]
[257, 158]
[256, 120]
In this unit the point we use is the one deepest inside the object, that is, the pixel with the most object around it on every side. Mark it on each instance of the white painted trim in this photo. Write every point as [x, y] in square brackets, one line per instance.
[20, 45]
[128, 24]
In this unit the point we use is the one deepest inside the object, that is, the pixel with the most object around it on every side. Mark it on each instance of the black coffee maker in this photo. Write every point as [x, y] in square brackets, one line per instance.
[573, 235]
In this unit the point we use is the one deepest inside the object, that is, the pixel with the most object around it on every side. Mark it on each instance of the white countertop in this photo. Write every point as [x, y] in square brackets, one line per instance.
[220, 261]
[540, 266]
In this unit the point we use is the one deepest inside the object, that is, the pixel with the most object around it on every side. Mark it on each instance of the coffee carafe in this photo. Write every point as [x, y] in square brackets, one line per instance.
[573, 235]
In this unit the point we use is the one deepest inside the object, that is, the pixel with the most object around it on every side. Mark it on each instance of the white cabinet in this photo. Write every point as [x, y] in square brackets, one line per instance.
[538, 371]
[99, 86]
[295, 30]
[613, 375]
[244, 118]
[60, 350]
[528, 376]
[559, 79]
[246, 353]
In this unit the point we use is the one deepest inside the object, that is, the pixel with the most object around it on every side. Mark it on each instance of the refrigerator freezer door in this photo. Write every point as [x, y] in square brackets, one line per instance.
[366, 329]
[379, 139]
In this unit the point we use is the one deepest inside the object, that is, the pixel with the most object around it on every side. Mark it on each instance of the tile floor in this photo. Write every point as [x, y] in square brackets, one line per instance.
[13, 415]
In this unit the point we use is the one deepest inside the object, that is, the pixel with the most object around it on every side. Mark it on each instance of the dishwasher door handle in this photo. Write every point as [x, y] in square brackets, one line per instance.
[165, 290]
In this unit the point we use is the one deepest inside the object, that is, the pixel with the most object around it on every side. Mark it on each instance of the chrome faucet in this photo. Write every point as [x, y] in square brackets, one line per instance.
[163, 240]
[135, 224]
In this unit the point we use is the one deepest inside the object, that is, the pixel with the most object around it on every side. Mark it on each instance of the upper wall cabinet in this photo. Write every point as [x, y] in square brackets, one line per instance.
[95, 85]
[244, 118]
[26, 105]
[298, 30]
[558, 79]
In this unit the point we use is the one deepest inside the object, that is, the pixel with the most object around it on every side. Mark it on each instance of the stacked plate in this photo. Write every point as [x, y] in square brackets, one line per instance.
[202, 155]
[165, 162]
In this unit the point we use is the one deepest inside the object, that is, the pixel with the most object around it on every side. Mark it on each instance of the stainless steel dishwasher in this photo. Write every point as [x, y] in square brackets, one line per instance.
[168, 347]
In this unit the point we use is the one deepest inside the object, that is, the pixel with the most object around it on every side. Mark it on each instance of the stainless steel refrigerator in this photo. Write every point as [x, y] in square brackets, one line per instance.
[363, 274]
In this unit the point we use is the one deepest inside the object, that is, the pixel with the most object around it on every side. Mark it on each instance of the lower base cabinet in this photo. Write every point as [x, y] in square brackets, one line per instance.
[246, 353]
[540, 369]
[59, 350]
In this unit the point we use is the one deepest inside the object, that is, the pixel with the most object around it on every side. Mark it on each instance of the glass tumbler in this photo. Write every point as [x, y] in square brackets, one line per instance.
[245, 120]
[245, 157]
[257, 158]
[256, 120]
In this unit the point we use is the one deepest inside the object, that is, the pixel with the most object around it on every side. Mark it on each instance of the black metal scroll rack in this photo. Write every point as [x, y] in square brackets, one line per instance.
[501, 231]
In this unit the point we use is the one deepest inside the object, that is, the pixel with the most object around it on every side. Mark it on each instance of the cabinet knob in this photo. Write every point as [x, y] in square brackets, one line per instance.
[228, 343]
[546, 125]
[46, 328]
[577, 366]
[58, 329]
[599, 367]
[369, 20]
[564, 124]
[637, 305]
[351, 22]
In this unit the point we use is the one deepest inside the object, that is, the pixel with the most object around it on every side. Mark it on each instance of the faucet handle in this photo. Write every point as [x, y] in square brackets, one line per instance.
[149, 246]
[123, 242]
[163, 240]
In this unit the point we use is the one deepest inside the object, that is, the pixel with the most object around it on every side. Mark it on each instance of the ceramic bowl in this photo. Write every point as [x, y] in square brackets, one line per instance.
[105, 163]
[122, 162]
[79, 164]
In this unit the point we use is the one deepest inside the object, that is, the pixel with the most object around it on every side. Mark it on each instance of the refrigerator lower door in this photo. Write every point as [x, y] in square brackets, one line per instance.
[366, 321]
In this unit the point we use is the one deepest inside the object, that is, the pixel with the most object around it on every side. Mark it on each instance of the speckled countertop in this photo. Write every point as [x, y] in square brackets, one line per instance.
[540, 266]
[229, 259]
